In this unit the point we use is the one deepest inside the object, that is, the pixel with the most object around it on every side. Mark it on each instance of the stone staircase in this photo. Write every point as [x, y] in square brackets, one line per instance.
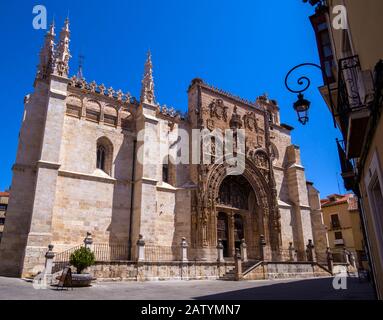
[230, 275]
[259, 270]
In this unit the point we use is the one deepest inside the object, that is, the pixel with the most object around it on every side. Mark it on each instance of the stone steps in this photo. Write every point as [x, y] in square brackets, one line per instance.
[230, 275]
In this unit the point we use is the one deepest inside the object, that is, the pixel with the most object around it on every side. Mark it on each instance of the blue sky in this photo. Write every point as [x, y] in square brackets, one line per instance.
[244, 47]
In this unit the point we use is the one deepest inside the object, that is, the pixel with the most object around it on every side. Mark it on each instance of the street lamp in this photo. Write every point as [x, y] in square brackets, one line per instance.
[302, 105]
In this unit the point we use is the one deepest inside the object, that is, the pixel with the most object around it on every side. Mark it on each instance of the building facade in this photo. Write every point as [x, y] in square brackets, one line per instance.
[351, 59]
[344, 229]
[4, 196]
[90, 159]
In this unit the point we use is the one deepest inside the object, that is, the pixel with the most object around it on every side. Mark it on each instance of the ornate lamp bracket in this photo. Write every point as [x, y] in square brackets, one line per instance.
[304, 84]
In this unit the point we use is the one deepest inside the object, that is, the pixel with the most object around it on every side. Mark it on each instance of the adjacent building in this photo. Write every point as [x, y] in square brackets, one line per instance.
[344, 229]
[90, 159]
[348, 34]
[4, 196]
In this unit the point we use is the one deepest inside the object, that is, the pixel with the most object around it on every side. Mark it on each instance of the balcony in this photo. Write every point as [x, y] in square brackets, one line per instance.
[347, 167]
[353, 113]
[339, 242]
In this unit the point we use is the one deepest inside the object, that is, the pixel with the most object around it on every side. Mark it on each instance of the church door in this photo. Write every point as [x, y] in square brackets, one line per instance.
[238, 230]
[222, 232]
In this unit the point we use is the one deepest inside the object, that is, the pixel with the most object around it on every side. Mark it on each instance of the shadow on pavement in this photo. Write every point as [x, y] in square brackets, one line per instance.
[310, 289]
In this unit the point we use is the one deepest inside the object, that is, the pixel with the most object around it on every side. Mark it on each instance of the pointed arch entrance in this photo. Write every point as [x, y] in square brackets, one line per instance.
[238, 216]
[234, 207]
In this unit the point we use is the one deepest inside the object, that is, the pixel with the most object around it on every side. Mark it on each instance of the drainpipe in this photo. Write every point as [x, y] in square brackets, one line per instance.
[132, 200]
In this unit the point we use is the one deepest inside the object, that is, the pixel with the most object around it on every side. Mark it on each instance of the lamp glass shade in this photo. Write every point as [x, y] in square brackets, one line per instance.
[301, 106]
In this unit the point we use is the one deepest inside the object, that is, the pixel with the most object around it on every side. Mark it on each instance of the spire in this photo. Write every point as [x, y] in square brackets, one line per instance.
[80, 74]
[45, 67]
[147, 89]
[62, 53]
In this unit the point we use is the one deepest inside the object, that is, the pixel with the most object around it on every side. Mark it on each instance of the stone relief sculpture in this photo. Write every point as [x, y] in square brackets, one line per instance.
[218, 110]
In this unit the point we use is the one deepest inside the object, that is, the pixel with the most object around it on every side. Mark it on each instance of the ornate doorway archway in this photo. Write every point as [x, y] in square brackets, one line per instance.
[237, 215]
[251, 195]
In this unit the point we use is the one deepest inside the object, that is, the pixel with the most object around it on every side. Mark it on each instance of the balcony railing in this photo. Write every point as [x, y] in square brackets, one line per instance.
[353, 106]
[348, 85]
[347, 167]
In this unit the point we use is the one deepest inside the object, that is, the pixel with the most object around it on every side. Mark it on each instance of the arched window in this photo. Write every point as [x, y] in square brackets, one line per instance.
[101, 154]
[104, 157]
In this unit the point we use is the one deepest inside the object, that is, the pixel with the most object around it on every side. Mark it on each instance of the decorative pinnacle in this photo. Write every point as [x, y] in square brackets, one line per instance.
[45, 67]
[62, 52]
[51, 30]
[66, 25]
[147, 89]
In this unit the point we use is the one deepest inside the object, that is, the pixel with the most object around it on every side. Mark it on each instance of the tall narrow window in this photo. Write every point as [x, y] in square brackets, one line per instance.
[101, 154]
[323, 39]
[165, 173]
[335, 223]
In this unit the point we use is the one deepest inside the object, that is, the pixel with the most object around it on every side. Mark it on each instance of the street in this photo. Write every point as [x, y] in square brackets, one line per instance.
[308, 289]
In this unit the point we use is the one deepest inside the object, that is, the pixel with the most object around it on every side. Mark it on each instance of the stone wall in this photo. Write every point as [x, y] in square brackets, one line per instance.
[152, 271]
[286, 270]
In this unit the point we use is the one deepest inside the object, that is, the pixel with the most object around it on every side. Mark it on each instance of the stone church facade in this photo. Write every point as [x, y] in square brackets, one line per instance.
[89, 160]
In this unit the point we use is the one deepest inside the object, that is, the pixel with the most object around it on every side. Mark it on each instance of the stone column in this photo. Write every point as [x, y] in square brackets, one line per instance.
[291, 252]
[88, 241]
[231, 240]
[238, 265]
[184, 273]
[352, 260]
[346, 256]
[244, 250]
[220, 251]
[184, 250]
[310, 251]
[140, 248]
[262, 245]
[330, 259]
[49, 256]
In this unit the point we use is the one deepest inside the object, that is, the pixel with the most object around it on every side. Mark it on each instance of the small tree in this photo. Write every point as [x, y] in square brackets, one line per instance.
[81, 259]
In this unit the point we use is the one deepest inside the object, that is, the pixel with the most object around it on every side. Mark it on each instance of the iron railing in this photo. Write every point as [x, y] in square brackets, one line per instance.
[348, 89]
[61, 260]
[111, 251]
[348, 166]
[104, 252]
[162, 253]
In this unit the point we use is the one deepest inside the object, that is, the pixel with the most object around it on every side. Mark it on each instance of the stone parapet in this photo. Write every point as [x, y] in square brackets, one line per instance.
[154, 271]
[286, 270]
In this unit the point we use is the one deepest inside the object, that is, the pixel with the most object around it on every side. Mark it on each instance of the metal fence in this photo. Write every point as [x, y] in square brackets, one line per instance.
[103, 252]
[61, 260]
[162, 253]
[110, 251]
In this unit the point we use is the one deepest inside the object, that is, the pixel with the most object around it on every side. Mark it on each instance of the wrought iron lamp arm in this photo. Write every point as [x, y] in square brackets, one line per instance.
[306, 83]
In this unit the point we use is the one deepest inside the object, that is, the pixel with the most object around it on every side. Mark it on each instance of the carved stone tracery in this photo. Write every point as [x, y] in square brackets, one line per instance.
[218, 110]
[250, 121]
[210, 194]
